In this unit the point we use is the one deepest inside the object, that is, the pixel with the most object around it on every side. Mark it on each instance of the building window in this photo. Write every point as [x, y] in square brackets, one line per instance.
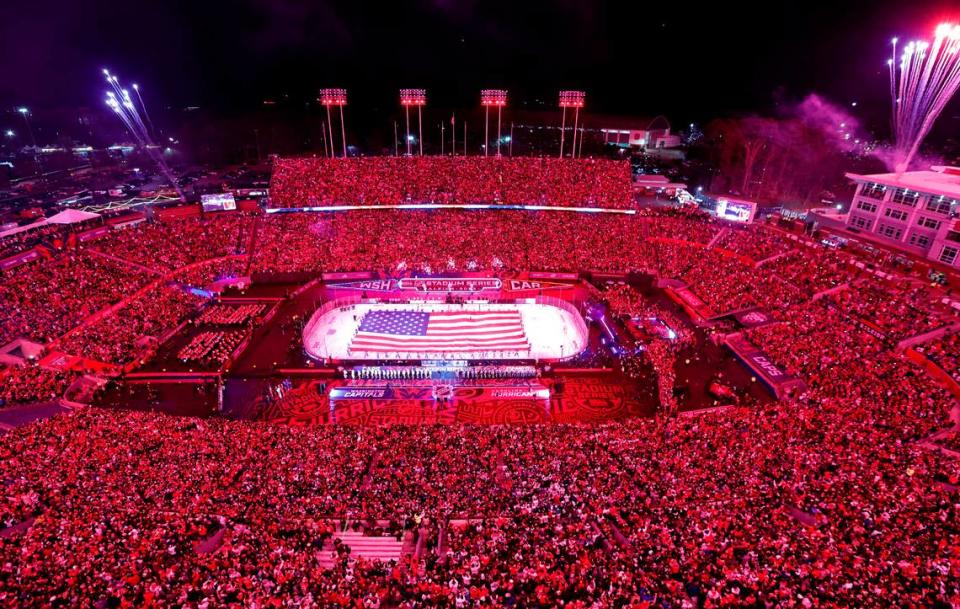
[948, 254]
[867, 206]
[896, 214]
[919, 240]
[858, 222]
[928, 223]
[940, 204]
[888, 230]
[873, 191]
[903, 196]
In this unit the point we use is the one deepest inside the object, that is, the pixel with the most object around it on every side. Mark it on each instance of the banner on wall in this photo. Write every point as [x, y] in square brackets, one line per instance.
[93, 233]
[349, 275]
[546, 275]
[22, 258]
[754, 318]
[370, 285]
[520, 285]
[772, 374]
[450, 284]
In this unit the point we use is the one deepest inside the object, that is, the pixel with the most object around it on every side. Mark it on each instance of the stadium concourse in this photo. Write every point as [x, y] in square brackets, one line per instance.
[843, 491]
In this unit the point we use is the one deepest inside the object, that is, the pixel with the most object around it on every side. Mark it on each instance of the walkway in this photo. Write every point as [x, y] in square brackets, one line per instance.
[126, 262]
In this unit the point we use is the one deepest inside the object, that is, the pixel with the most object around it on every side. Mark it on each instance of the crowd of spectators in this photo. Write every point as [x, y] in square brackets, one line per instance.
[945, 352]
[758, 245]
[899, 309]
[812, 268]
[32, 383]
[25, 239]
[659, 337]
[812, 505]
[680, 225]
[131, 333]
[47, 298]
[172, 244]
[211, 348]
[43, 299]
[438, 241]
[822, 501]
[302, 182]
[840, 361]
[231, 315]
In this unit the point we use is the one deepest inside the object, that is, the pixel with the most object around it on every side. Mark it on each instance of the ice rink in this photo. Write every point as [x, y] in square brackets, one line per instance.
[553, 332]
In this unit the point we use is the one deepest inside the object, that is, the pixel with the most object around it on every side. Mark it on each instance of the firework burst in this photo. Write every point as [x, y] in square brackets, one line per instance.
[922, 81]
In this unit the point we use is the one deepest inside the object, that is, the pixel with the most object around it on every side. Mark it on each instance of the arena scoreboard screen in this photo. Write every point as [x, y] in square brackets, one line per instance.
[223, 201]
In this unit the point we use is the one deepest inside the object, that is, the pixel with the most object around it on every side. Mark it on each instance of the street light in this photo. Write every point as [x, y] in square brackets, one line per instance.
[497, 98]
[9, 133]
[25, 113]
[418, 98]
[570, 99]
[335, 97]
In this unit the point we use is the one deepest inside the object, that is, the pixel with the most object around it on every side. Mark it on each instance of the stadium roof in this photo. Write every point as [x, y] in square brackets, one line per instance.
[71, 216]
[937, 180]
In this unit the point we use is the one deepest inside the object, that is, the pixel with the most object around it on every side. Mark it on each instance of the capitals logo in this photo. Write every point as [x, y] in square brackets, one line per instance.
[755, 317]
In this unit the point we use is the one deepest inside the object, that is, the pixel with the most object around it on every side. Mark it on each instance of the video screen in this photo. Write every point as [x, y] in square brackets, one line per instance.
[735, 212]
[223, 201]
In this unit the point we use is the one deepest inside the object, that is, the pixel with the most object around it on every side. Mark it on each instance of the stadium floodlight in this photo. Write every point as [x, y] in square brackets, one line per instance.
[575, 100]
[413, 97]
[335, 97]
[498, 99]
[25, 114]
[418, 98]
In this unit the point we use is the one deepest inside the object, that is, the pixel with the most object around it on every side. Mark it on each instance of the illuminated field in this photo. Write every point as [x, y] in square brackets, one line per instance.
[540, 331]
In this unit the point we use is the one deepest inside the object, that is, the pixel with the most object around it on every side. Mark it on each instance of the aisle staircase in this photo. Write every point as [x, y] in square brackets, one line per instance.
[717, 237]
[384, 549]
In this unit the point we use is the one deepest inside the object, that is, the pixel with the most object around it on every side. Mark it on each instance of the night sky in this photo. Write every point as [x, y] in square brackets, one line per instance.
[632, 57]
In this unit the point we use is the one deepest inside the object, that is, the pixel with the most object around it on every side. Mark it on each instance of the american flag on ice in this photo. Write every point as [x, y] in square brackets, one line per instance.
[437, 331]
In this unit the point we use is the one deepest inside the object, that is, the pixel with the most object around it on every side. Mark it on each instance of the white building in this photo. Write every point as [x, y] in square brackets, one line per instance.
[640, 134]
[915, 211]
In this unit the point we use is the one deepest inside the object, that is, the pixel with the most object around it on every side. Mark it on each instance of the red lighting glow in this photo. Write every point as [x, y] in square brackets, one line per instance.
[572, 99]
[493, 97]
[333, 97]
[413, 97]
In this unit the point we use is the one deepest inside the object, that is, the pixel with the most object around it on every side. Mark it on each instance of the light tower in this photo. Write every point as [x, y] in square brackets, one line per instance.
[418, 98]
[335, 97]
[497, 98]
[570, 99]
[25, 113]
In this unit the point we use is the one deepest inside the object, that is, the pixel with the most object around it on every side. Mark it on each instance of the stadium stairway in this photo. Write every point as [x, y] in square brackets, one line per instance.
[717, 238]
[384, 549]
[252, 243]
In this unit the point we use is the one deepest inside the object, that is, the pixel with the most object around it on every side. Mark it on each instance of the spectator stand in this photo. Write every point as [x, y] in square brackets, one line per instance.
[783, 384]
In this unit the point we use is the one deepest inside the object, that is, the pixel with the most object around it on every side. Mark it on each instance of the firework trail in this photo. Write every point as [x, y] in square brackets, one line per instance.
[118, 100]
[146, 114]
[921, 85]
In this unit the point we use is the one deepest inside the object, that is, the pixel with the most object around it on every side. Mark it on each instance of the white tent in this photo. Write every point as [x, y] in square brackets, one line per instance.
[69, 216]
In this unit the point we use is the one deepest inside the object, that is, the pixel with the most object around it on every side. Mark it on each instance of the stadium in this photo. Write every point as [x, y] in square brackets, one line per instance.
[668, 317]
[651, 402]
